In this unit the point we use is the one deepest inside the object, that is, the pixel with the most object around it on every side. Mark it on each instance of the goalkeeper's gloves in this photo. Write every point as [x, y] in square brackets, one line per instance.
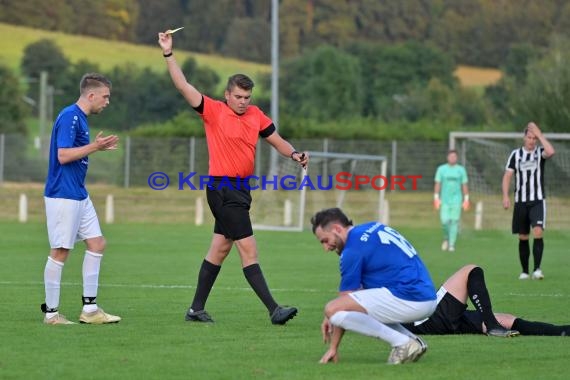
[436, 201]
[466, 203]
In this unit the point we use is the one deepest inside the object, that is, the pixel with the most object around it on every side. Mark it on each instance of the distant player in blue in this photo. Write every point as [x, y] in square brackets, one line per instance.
[69, 212]
[383, 284]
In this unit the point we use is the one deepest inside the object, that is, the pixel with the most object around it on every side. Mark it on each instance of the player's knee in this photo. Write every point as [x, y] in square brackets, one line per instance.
[338, 317]
[469, 267]
[97, 244]
[59, 254]
[476, 273]
[331, 308]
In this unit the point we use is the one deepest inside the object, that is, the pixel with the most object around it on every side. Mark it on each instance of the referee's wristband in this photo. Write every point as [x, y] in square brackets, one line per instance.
[292, 153]
[167, 54]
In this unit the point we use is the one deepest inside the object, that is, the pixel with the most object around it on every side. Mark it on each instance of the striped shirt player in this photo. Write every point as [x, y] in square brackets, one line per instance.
[527, 165]
[232, 128]
[384, 283]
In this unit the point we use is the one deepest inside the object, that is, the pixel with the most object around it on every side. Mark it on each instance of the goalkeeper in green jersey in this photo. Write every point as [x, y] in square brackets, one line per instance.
[451, 194]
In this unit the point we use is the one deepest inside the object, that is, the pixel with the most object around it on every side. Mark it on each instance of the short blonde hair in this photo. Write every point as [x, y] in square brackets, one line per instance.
[93, 80]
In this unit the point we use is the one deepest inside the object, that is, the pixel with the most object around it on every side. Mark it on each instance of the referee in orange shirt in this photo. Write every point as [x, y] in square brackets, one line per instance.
[232, 130]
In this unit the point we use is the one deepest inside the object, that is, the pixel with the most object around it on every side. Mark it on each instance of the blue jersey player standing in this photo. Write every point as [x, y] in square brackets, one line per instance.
[70, 215]
[383, 284]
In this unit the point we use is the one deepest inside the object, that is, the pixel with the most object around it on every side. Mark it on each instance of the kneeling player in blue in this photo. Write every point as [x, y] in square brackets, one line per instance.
[383, 284]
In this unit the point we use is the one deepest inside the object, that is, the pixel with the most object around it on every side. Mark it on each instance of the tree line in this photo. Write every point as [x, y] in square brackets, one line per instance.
[476, 32]
[365, 90]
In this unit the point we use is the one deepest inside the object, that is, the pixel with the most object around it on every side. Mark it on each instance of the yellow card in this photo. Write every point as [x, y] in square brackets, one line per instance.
[172, 31]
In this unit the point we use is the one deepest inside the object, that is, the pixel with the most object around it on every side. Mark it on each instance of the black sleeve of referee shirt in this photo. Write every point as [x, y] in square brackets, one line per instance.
[200, 108]
[267, 131]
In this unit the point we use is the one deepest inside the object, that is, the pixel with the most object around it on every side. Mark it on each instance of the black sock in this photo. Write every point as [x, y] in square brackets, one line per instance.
[206, 279]
[257, 282]
[46, 309]
[89, 300]
[524, 254]
[539, 328]
[479, 295]
[537, 249]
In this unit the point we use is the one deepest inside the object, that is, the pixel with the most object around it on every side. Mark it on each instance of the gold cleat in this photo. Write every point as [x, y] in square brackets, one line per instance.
[58, 319]
[98, 317]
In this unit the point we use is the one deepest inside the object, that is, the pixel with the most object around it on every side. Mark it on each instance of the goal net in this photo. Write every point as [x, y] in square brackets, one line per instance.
[286, 199]
[485, 154]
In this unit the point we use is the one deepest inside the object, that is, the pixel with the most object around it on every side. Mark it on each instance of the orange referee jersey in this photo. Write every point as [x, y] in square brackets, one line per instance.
[232, 138]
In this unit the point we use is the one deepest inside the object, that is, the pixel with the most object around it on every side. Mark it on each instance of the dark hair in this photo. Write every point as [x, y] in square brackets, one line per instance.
[330, 215]
[239, 80]
[452, 151]
[93, 80]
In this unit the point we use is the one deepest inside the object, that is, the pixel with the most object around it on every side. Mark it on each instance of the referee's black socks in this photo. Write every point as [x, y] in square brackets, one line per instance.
[256, 280]
[206, 278]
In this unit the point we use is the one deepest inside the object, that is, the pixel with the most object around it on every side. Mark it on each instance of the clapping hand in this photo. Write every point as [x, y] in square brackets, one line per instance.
[110, 142]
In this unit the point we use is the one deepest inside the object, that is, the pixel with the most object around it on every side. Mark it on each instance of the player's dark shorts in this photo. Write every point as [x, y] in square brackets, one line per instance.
[450, 317]
[230, 207]
[527, 214]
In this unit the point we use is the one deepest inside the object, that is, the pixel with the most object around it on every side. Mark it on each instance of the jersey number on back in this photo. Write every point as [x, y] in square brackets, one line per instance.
[391, 236]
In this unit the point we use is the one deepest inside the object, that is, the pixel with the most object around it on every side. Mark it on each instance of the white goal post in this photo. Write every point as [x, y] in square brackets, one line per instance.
[318, 187]
[454, 136]
[485, 154]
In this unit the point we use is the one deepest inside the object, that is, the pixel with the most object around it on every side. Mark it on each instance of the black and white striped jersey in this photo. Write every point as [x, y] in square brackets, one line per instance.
[529, 174]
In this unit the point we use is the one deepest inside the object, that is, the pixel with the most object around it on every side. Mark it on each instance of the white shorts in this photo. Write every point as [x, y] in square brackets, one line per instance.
[383, 306]
[69, 221]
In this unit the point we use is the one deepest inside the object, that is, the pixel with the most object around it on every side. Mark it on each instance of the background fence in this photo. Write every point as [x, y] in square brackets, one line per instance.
[124, 173]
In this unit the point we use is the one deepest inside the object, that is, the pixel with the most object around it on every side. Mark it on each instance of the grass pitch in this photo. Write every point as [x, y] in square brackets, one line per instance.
[148, 277]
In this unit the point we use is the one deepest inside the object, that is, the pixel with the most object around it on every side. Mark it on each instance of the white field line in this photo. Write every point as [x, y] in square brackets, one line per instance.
[538, 295]
[156, 286]
[174, 286]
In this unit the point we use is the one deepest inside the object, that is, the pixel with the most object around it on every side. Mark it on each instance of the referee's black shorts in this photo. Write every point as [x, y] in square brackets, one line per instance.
[230, 202]
[450, 317]
[527, 214]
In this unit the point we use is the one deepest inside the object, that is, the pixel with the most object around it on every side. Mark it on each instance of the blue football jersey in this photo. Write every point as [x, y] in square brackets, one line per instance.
[70, 130]
[377, 256]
